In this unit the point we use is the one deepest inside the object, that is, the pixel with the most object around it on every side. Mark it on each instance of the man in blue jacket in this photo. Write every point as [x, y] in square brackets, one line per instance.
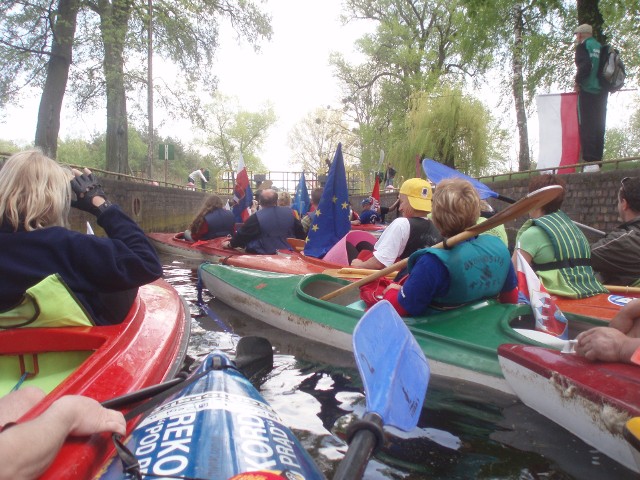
[267, 230]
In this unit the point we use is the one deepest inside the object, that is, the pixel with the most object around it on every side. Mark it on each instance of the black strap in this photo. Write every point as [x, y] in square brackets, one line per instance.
[568, 263]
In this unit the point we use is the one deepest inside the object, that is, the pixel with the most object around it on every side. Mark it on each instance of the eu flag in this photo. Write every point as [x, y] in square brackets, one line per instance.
[331, 219]
[301, 200]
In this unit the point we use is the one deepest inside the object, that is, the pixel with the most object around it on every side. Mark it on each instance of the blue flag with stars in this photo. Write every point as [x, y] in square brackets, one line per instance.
[331, 219]
[301, 200]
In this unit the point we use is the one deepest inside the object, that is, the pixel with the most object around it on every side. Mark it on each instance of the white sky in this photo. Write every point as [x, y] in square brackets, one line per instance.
[292, 71]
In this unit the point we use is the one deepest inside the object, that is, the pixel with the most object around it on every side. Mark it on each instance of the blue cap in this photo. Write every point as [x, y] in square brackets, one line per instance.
[366, 201]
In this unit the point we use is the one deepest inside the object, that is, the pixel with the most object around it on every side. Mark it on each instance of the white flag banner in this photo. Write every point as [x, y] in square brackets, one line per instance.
[558, 131]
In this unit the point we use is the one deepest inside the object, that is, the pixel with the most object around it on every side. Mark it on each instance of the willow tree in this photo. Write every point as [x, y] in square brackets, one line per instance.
[415, 45]
[450, 127]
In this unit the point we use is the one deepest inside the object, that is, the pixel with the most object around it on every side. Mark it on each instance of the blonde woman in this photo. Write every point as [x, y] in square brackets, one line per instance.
[211, 221]
[103, 273]
[284, 200]
[469, 271]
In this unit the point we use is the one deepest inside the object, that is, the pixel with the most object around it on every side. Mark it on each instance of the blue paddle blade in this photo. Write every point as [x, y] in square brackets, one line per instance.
[394, 371]
[438, 172]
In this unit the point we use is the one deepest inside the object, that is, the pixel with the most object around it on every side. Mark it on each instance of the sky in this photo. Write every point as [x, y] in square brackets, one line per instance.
[291, 71]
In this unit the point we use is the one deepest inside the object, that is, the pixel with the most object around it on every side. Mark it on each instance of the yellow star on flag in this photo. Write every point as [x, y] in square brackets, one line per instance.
[318, 212]
[345, 205]
[334, 199]
[315, 228]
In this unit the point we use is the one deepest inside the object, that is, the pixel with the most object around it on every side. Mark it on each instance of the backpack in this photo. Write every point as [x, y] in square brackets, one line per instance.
[611, 70]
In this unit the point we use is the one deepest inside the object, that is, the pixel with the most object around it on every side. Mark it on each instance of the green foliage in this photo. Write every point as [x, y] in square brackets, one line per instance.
[230, 131]
[449, 127]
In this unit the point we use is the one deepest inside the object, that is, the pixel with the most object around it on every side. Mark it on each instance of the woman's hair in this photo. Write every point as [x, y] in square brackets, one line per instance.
[544, 181]
[284, 199]
[212, 203]
[35, 192]
[455, 206]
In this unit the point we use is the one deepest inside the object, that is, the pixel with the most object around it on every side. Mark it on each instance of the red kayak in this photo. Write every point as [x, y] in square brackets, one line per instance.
[100, 362]
[284, 261]
[593, 400]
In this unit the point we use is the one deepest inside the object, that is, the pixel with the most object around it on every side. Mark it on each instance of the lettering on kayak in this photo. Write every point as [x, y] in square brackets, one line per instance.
[171, 439]
[286, 453]
[254, 442]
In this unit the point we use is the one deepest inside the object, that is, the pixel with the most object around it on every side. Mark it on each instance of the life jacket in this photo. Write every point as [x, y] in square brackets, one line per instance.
[49, 303]
[477, 269]
[573, 254]
[422, 233]
[220, 223]
[276, 225]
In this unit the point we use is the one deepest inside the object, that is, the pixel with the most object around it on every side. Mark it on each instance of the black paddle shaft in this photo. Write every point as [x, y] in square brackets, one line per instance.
[366, 438]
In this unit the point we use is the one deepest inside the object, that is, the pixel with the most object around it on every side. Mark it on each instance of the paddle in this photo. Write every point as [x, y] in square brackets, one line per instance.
[254, 355]
[437, 172]
[395, 375]
[534, 200]
[622, 289]
[348, 272]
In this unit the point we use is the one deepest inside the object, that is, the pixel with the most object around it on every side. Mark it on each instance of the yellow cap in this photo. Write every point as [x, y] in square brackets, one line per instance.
[418, 192]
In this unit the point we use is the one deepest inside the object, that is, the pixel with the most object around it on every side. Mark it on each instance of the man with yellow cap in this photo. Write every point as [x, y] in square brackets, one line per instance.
[592, 98]
[405, 234]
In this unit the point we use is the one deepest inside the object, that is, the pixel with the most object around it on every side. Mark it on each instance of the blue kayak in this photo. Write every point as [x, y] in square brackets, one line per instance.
[216, 427]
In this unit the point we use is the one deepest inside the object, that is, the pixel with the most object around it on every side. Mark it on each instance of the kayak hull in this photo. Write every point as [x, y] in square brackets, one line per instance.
[460, 343]
[216, 427]
[603, 306]
[592, 400]
[211, 251]
[147, 348]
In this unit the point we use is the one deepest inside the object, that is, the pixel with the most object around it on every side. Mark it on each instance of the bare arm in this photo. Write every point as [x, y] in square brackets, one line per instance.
[372, 263]
[27, 449]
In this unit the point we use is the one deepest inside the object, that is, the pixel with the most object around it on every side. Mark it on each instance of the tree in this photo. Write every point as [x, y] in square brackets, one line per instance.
[182, 36]
[315, 138]
[230, 131]
[449, 127]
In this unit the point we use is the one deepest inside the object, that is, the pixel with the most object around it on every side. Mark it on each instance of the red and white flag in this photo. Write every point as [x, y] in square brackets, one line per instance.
[549, 318]
[559, 142]
[242, 194]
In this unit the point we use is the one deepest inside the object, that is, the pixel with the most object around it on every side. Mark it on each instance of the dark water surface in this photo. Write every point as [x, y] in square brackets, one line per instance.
[465, 431]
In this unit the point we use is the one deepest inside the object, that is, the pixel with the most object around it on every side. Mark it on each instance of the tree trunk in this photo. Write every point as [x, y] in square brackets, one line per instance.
[588, 12]
[114, 20]
[64, 30]
[524, 162]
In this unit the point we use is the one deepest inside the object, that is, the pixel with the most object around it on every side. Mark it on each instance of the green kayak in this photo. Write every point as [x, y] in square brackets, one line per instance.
[461, 343]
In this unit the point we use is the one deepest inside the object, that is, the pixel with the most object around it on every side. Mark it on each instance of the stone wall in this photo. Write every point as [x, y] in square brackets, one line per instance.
[591, 199]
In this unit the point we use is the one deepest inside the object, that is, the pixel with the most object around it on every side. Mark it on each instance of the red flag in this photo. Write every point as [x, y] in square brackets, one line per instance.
[559, 136]
[375, 194]
[242, 193]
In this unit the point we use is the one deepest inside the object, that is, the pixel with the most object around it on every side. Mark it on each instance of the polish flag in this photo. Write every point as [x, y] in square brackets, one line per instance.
[242, 193]
[558, 126]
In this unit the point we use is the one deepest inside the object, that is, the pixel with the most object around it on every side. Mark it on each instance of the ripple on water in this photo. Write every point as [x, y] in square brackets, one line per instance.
[464, 431]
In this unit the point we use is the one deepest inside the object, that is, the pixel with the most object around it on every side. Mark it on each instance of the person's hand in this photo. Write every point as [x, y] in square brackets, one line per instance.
[576, 87]
[89, 194]
[602, 343]
[86, 416]
[392, 286]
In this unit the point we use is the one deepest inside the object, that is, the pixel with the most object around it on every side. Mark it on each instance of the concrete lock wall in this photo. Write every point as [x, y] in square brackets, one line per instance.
[591, 199]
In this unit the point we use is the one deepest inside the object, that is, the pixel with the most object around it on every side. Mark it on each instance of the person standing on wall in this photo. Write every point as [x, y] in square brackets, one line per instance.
[592, 98]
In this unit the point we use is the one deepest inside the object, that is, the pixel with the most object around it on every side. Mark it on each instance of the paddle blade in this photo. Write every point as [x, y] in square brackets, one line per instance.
[394, 371]
[254, 357]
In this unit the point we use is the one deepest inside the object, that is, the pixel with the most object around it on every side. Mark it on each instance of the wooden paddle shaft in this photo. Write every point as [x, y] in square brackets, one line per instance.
[622, 289]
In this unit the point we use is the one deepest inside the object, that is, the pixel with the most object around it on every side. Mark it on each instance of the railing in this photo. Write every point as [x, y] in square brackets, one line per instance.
[578, 166]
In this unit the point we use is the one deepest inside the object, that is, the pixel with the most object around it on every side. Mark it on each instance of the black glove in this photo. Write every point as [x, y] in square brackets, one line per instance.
[86, 187]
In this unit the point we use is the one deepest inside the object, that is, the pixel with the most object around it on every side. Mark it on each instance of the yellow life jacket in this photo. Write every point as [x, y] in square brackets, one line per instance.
[49, 303]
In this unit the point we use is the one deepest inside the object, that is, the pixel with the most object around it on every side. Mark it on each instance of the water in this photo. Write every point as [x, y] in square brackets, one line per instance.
[464, 432]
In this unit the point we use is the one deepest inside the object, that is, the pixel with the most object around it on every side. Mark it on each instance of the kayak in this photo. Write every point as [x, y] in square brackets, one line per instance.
[632, 434]
[604, 306]
[461, 343]
[593, 400]
[99, 362]
[216, 427]
[211, 251]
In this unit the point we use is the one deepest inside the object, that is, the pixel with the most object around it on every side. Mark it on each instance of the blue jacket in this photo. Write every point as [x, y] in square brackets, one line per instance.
[93, 267]
[220, 223]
